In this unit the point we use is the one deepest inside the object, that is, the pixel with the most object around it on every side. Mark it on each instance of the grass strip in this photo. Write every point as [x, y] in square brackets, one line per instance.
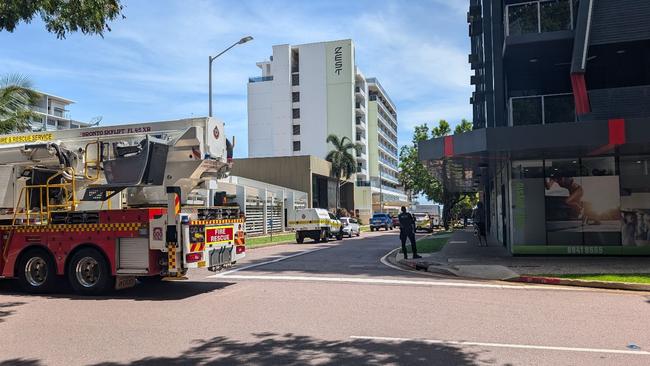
[429, 244]
[608, 277]
[262, 241]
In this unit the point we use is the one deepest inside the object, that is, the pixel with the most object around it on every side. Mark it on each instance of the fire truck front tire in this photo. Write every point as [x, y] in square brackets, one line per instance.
[88, 272]
[36, 271]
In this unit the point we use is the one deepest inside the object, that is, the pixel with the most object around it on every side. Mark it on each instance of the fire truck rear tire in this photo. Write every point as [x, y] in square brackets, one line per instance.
[36, 271]
[88, 272]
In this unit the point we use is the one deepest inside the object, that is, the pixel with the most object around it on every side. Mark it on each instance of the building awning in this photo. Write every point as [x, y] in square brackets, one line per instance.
[460, 157]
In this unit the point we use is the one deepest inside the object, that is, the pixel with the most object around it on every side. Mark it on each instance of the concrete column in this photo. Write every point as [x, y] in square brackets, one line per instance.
[263, 196]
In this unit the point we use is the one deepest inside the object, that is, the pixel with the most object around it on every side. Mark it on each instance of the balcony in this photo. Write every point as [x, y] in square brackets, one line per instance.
[363, 183]
[387, 149]
[390, 125]
[537, 17]
[389, 163]
[389, 178]
[361, 138]
[360, 107]
[361, 156]
[391, 140]
[359, 91]
[260, 79]
[542, 109]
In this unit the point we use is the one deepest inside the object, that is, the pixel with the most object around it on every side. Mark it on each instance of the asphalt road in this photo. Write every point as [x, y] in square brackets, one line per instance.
[326, 304]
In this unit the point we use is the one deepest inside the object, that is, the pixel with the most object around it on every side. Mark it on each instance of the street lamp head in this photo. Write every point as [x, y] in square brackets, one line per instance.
[245, 39]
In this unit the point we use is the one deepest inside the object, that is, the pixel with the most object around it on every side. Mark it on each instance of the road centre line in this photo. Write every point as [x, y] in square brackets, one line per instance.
[504, 345]
[279, 259]
[384, 281]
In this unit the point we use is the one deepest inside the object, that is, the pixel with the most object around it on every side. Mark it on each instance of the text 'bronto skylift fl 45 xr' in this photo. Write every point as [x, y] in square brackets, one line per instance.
[102, 206]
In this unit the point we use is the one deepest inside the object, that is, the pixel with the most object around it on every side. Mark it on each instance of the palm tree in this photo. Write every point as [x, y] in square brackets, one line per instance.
[343, 162]
[16, 97]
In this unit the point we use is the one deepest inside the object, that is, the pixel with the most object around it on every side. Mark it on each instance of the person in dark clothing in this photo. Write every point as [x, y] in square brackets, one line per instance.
[407, 230]
[479, 221]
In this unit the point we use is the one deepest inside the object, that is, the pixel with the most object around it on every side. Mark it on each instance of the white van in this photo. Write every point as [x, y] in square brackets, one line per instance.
[314, 223]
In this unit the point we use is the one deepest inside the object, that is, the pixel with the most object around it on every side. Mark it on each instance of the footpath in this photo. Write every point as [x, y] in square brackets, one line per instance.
[462, 257]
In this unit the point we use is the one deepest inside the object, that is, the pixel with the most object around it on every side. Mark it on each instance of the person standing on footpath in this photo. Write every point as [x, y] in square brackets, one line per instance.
[407, 230]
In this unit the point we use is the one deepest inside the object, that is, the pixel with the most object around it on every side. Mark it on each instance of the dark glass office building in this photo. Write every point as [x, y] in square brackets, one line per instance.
[560, 150]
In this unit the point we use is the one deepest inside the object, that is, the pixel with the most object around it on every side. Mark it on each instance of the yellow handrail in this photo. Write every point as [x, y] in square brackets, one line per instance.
[68, 189]
[95, 163]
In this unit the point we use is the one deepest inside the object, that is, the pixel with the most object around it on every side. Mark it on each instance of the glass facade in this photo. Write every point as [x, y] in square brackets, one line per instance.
[590, 205]
[539, 17]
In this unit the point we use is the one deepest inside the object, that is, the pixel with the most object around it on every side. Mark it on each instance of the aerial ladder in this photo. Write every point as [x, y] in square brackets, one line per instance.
[102, 206]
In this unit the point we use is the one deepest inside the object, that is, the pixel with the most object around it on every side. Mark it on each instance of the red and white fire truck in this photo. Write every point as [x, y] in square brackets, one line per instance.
[102, 206]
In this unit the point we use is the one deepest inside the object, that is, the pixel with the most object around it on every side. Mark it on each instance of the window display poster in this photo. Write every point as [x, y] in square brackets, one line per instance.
[583, 210]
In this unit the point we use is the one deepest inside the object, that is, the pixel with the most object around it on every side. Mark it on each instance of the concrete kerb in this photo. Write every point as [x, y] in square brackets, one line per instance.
[505, 274]
[582, 283]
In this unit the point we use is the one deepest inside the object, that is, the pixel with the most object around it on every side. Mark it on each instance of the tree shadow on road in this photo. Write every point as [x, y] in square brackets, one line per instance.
[158, 291]
[20, 362]
[290, 349]
[6, 308]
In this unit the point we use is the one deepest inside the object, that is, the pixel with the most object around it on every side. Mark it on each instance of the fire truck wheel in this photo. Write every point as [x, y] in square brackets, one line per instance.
[36, 271]
[88, 272]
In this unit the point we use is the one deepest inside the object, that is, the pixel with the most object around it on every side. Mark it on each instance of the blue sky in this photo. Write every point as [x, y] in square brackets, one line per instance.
[153, 65]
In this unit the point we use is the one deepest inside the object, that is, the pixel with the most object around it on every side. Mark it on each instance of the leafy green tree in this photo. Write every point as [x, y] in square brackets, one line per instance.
[344, 164]
[61, 16]
[443, 129]
[463, 126]
[465, 207]
[16, 97]
[415, 176]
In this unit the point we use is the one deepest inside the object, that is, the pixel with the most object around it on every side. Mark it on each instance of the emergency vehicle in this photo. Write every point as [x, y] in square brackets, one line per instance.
[314, 223]
[102, 206]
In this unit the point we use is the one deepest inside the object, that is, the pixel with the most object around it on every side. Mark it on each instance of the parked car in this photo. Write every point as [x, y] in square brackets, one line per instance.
[337, 231]
[395, 221]
[381, 220]
[350, 226]
[423, 222]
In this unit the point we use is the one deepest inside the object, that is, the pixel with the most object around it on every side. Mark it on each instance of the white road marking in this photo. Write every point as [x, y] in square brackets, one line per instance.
[279, 259]
[385, 281]
[505, 345]
[458, 242]
[385, 262]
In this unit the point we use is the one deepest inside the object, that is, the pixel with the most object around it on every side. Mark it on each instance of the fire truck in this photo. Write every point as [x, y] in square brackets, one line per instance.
[102, 206]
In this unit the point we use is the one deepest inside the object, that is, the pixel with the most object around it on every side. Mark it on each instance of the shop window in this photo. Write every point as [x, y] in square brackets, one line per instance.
[527, 169]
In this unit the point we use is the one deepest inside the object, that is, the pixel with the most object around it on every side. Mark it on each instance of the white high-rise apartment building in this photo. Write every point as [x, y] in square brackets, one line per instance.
[307, 92]
[53, 114]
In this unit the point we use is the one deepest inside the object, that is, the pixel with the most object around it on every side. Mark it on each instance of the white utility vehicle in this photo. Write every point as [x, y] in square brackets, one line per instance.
[314, 223]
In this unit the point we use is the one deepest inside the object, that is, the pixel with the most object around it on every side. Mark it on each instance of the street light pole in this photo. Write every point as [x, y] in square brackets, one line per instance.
[212, 58]
[381, 193]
